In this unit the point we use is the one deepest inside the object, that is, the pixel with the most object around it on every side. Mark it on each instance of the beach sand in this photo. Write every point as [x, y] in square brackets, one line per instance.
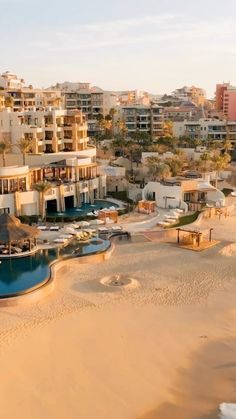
[162, 350]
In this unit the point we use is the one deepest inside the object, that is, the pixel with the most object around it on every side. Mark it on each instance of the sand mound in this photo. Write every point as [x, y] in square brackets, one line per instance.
[229, 250]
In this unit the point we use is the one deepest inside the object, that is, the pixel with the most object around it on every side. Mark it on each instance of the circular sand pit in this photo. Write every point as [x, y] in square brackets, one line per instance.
[119, 281]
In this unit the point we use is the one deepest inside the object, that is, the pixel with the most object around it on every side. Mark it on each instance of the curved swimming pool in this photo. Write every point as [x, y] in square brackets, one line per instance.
[83, 210]
[24, 274]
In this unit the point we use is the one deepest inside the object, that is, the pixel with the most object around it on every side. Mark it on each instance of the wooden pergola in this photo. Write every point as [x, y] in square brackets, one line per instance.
[146, 207]
[195, 235]
[14, 233]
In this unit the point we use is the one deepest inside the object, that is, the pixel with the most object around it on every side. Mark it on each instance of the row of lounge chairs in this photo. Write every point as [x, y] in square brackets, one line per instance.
[171, 218]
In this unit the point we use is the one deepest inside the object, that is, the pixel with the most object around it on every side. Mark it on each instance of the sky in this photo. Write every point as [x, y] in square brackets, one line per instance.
[151, 45]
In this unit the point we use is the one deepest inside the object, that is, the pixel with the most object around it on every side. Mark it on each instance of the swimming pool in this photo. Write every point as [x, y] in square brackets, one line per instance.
[83, 210]
[24, 274]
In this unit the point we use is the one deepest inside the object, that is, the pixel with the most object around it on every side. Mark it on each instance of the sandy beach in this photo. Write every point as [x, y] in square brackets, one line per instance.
[163, 347]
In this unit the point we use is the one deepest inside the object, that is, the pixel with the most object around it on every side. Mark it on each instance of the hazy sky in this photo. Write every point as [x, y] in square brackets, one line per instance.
[154, 45]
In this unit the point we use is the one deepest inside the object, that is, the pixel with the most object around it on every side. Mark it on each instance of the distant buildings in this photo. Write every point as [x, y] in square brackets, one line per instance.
[226, 101]
[143, 119]
[194, 94]
[206, 129]
[49, 130]
[19, 98]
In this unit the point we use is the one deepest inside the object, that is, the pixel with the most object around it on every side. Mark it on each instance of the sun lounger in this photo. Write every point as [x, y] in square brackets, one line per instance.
[103, 229]
[163, 223]
[60, 240]
[54, 228]
[42, 228]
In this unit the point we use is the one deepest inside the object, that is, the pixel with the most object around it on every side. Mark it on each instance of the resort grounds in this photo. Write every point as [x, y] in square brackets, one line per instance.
[161, 347]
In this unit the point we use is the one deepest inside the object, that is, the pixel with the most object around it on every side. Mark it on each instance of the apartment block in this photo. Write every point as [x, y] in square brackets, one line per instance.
[50, 130]
[93, 102]
[195, 94]
[226, 100]
[206, 129]
[178, 113]
[9, 80]
[144, 119]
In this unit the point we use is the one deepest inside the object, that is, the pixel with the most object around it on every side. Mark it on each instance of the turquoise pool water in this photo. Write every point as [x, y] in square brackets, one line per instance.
[83, 210]
[20, 275]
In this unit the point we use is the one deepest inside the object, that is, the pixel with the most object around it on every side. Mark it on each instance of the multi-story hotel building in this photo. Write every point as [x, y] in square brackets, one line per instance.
[206, 129]
[143, 119]
[59, 153]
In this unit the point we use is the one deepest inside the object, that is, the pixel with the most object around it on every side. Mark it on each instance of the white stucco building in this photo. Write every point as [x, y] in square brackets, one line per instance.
[183, 193]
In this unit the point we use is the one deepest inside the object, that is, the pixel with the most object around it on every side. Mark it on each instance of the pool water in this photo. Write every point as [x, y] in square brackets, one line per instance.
[19, 275]
[83, 210]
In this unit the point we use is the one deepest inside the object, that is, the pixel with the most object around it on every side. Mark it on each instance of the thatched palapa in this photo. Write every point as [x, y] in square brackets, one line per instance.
[12, 230]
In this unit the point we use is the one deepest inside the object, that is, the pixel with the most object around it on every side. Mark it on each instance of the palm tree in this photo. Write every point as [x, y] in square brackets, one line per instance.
[106, 125]
[112, 113]
[9, 102]
[157, 169]
[122, 129]
[24, 145]
[42, 188]
[5, 147]
[220, 162]
[162, 171]
[175, 164]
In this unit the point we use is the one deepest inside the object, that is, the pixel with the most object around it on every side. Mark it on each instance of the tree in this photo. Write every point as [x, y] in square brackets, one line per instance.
[219, 162]
[175, 164]
[106, 125]
[162, 171]
[168, 129]
[42, 188]
[122, 129]
[112, 113]
[24, 145]
[157, 169]
[9, 102]
[5, 147]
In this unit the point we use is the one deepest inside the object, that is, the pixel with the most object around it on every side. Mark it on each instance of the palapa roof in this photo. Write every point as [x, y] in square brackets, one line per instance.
[11, 229]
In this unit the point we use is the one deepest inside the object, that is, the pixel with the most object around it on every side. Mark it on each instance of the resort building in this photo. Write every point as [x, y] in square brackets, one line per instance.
[49, 130]
[58, 153]
[185, 193]
[206, 129]
[73, 181]
[143, 119]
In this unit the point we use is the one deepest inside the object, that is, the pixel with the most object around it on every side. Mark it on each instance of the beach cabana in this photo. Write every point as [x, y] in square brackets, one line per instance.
[16, 237]
[104, 215]
[146, 207]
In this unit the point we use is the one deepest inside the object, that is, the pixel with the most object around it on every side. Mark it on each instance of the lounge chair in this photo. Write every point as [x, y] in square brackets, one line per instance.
[54, 228]
[42, 228]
